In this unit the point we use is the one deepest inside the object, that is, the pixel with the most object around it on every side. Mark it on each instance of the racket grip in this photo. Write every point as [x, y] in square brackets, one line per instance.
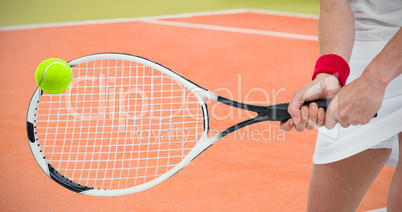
[280, 111]
[322, 103]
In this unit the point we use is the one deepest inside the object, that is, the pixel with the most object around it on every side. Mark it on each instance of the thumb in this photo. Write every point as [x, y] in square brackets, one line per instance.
[295, 105]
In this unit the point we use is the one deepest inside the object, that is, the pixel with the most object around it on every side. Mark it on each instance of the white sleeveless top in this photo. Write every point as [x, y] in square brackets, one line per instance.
[376, 19]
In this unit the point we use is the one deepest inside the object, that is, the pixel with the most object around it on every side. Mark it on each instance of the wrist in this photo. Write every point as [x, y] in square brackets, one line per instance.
[382, 70]
[332, 64]
[374, 79]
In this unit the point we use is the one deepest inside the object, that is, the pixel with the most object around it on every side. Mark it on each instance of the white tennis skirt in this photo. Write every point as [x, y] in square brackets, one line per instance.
[381, 132]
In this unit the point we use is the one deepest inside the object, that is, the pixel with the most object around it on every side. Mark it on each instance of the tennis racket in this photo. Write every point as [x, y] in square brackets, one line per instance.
[126, 124]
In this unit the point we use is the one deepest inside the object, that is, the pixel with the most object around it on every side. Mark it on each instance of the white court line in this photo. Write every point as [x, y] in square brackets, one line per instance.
[232, 29]
[119, 20]
[379, 210]
[185, 15]
[278, 13]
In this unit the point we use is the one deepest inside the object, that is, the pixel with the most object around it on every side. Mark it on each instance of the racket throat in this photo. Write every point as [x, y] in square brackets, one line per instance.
[261, 117]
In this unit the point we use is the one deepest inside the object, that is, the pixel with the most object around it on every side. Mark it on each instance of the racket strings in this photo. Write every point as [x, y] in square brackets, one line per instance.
[119, 125]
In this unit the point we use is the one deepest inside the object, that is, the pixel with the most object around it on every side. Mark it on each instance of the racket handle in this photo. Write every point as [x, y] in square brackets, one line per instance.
[280, 111]
[322, 103]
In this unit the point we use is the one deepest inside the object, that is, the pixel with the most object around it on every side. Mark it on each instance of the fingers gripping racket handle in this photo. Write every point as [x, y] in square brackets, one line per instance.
[280, 111]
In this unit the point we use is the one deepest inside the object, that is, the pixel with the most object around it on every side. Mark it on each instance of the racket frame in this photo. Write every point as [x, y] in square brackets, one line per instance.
[203, 143]
[276, 112]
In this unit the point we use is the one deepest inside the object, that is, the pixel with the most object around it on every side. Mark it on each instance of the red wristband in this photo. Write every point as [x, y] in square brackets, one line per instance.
[332, 64]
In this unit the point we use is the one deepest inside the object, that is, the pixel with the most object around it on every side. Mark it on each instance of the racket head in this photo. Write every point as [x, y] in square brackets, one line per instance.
[86, 139]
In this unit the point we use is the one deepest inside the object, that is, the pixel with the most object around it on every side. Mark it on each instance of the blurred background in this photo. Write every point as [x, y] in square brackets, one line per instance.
[21, 12]
[247, 175]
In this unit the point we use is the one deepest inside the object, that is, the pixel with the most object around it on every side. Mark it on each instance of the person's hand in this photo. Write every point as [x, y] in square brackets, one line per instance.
[356, 103]
[324, 86]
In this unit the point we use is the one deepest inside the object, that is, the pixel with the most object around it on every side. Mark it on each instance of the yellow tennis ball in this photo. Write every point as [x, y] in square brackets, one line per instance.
[53, 76]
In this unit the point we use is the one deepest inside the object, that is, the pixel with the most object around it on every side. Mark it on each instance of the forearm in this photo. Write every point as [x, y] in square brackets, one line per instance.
[336, 30]
[387, 65]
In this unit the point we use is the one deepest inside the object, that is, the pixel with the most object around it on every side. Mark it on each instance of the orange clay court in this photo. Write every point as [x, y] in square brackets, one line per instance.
[250, 56]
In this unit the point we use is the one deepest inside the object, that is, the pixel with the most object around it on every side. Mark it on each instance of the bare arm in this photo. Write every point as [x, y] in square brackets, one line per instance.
[357, 102]
[387, 65]
[336, 28]
[336, 33]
